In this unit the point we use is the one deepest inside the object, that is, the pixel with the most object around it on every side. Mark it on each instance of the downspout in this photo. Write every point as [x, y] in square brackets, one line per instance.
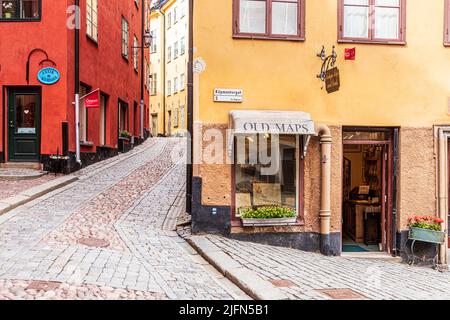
[163, 76]
[142, 70]
[190, 111]
[77, 81]
[443, 193]
[324, 133]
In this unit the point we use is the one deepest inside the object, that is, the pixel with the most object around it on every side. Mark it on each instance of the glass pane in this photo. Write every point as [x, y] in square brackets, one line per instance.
[357, 2]
[356, 22]
[8, 9]
[266, 171]
[25, 114]
[356, 135]
[252, 16]
[284, 18]
[387, 23]
[30, 9]
[388, 3]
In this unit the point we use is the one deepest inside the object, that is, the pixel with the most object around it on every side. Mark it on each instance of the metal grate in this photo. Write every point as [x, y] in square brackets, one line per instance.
[342, 294]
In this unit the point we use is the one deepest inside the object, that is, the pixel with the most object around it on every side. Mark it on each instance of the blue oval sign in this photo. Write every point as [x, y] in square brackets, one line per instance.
[48, 75]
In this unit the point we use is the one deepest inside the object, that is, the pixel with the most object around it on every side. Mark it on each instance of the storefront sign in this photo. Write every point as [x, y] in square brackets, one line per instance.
[48, 76]
[228, 95]
[332, 80]
[92, 100]
[292, 127]
[26, 130]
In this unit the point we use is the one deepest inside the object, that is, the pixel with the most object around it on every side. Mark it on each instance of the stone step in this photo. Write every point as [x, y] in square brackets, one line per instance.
[21, 165]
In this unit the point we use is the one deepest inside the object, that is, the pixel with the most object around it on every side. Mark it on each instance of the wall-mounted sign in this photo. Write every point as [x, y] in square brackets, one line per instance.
[48, 76]
[92, 99]
[228, 95]
[350, 53]
[332, 80]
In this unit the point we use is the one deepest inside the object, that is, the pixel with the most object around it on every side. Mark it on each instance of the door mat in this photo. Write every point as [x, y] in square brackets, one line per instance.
[353, 248]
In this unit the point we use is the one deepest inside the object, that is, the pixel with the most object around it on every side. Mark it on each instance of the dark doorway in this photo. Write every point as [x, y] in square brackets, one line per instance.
[24, 124]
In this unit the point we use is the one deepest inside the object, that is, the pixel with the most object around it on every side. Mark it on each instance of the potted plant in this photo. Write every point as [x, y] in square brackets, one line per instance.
[268, 216]
[124, 141]
[426, 229]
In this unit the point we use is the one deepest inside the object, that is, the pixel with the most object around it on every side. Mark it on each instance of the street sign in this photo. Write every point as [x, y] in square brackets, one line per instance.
[229, 95]
[48, 76]
[332, 80]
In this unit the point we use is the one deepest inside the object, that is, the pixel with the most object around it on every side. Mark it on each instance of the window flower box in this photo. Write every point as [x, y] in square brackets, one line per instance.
[268, 222]
[426, 235]
[268, 216]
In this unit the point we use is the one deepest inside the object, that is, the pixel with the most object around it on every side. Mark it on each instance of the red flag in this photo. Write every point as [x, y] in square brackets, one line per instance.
[92, 100]
[350, 54]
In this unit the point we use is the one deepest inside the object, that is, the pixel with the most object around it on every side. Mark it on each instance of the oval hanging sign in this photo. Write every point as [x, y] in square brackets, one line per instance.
[48, 76]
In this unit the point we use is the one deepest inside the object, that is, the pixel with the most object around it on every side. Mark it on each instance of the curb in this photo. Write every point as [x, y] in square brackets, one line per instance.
[33, 193]
[247, 280]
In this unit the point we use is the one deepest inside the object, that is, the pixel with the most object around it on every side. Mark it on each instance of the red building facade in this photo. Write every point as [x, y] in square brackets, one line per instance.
[38, 114]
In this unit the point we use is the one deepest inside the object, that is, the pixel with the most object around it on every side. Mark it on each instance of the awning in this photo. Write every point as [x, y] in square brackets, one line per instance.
[273, 122]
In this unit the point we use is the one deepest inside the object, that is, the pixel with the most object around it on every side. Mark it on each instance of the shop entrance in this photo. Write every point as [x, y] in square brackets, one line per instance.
[367, 191]
[24, 119]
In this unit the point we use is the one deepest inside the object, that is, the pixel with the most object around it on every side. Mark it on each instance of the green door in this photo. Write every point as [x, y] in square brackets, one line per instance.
[24, 119]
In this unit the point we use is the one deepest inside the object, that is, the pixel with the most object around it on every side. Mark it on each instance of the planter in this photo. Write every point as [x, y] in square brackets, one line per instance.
[268, 222]
[425, 235]
[124, 144]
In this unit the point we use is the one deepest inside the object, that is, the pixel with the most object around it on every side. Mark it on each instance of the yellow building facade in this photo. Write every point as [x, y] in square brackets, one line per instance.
[386, 126]
[168, 70]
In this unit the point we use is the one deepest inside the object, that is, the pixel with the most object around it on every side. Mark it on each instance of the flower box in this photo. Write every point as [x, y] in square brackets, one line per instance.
[268, 222]
[426, 235]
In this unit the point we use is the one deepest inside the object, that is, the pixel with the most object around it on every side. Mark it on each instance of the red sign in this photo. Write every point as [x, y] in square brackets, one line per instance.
[92, 100]
[350, 54]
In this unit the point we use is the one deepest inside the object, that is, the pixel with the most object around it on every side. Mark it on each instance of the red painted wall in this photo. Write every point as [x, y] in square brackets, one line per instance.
[101, 66]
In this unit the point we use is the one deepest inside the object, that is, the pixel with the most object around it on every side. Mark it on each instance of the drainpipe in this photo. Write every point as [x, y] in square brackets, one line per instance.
[443, 198]
[190, 112]
[163, 62]
[142, 70]
[324, 133]
[77, 81]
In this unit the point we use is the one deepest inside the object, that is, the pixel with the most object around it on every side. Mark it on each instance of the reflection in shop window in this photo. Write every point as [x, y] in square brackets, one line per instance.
[267, 171]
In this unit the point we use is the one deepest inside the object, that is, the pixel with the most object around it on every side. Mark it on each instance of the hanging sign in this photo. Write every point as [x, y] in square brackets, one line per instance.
[350, 54]
[92, 100]
[48, 76]
[332, 80]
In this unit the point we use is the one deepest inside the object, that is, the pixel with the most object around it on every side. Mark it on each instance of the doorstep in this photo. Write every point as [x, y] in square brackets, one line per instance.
[383, 256]
[31, 194]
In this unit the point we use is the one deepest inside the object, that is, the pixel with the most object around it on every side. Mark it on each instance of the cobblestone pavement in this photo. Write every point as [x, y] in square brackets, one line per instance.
[309, 273]
[109, 236]
[9, 188]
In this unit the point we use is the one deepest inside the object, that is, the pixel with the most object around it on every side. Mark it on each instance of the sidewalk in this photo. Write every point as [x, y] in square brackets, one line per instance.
[267, 272]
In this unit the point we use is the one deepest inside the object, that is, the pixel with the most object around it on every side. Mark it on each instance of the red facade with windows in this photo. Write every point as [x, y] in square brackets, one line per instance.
[102, 66]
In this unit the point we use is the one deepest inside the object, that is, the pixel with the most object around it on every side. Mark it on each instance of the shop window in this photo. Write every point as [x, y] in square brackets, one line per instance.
[84, 90]
[92, 19]
[267, 172]
[123, 116]
[20, 10]
[103, 117]
[269, 19]
[372, 21]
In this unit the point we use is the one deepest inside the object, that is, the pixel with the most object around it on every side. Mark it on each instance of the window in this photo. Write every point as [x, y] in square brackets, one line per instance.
[84, 90]
[169, 20]
[153, 84]
[169, 87]
[182, 82]
[102, 128]
[20, 9]
[182, 45]
[269, 19]
[372, 21]
[182, 117]
[182, 8]
[175, 15]
[92, 19]
[135, 54]
[125, 29]
[169, 54]
[267, 171]
[154, 45]
[123, 116]
[175, 85]
[175, 50]
[447, 23]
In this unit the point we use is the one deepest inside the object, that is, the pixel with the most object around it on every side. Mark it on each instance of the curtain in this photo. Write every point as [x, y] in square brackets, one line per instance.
[284, 18]
[252, 16]
[387, 17]
[356, 18]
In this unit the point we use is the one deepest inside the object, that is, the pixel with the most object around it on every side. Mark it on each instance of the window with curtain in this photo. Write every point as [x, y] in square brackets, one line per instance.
[269, 18]
[92, 19]
[372, 20]
[20, 9]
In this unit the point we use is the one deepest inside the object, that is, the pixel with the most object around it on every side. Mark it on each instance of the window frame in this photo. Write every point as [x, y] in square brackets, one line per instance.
[125, 39]
[447, 23]
[38, 19]
[90, 23]
[371, 39]
[300, 36]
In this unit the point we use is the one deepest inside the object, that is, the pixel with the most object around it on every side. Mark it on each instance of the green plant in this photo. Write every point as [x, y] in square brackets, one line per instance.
[125, 134]
[269, 212]
[426, 222]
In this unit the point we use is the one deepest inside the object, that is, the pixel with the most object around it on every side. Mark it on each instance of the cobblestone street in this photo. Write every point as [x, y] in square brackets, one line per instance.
[109, 236]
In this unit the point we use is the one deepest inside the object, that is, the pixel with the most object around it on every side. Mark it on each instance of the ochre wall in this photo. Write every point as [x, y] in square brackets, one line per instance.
[388, 85]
